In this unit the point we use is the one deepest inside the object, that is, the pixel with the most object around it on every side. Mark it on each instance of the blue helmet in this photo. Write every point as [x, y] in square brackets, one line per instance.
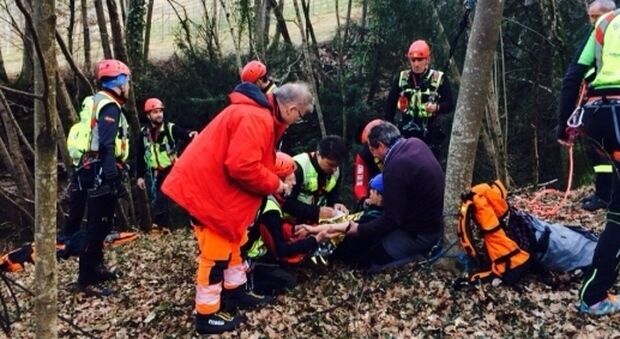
[376, 183]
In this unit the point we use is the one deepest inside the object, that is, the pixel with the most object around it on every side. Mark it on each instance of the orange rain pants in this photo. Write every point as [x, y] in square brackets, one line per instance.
[219, 261]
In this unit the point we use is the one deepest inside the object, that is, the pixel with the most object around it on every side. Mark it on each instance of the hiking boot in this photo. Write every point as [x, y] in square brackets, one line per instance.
[242, 299]
[609, 305]
[95, 290]
[217, 323]
[593, 203]
[103, 274]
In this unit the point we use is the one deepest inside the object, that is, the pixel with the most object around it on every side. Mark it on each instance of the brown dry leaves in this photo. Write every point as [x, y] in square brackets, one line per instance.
[154, 299]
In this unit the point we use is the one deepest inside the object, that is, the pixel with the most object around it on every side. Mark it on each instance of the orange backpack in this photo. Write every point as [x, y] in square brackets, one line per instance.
[482, 234]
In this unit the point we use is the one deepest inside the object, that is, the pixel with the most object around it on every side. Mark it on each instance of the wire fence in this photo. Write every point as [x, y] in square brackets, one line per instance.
[165, 26]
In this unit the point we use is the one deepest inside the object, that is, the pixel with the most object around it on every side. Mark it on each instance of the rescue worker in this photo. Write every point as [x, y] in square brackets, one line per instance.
[603, 168]
[315, 194]
[104, 162]
[365, 166]
[271, 234]
[157, 148]
[413, 188]
[420, 94]
[256, 73]
[220, 180]
[77, 143]
[601, 116]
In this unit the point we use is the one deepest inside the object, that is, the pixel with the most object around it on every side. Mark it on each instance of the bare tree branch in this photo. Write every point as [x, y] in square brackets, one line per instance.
[71, 61]
[16, 91]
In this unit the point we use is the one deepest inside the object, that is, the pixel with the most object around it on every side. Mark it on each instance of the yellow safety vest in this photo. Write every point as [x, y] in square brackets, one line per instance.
[159, 154]
[607, 51]
[83, 136]
[417, 98]
[310, 192]
[121, 145]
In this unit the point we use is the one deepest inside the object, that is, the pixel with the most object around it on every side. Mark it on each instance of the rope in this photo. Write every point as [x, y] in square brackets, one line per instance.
[547, 211]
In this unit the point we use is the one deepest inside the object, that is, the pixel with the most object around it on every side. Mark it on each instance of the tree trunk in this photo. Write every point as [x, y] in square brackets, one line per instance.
[66, 111]
[496, 134]
[135, 29]
[134, 32]
[18, 130]
[61, 141]
[27, 72]
[147, 29]
[260, 14]
[308, 62]
[309, 29]
[4, 78]
[184, 21]
[86, 36]
[123, 12]
[455, 73]
[211, 31]
[71, 25]
[120, 53]
[22, 175]
[103, 29]
[236, 43]
[45, 120]
[282, 28]
[468, 117]
[5, 158]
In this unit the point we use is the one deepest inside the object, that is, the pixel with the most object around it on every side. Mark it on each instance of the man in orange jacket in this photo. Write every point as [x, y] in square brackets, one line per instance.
[221, 179]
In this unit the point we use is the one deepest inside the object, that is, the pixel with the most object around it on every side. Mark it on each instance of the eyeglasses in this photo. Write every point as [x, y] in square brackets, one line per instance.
[417, 59]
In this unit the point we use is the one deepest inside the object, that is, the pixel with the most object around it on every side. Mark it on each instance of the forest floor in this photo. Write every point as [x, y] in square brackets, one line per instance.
[154, 298]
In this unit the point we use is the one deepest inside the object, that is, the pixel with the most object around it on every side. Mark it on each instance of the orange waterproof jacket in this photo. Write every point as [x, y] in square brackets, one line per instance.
[226, 170]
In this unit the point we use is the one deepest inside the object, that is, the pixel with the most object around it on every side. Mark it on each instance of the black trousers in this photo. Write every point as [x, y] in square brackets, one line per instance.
[100, 219]
[602, 127]
[602, 178]
[81, 181]
[160, 202]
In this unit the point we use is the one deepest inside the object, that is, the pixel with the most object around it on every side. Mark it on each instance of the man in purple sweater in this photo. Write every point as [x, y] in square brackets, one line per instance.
[413, 199]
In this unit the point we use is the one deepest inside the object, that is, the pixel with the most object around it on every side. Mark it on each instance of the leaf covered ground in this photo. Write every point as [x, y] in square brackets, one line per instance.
[154, 298]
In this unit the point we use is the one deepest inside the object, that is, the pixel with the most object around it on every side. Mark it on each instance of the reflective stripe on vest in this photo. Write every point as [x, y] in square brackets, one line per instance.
[310, 192]
[418, 97]
[121, 144]
[607, 51]
[603, 169]
[159, 154]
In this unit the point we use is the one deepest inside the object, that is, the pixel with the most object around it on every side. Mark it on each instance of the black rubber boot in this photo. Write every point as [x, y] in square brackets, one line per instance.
[217, 323]
[95, 290]
[593, 203]
[242, 299]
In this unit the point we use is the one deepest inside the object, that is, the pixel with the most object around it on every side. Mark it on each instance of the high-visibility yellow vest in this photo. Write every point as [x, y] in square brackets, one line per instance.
[607, 51]
[310, 192]
[83, 139]
[159, 154]
[415, 99]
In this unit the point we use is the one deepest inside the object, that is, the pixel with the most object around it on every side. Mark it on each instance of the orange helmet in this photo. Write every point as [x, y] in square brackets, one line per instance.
[419, 49]
[111, 68]
[367, 129]
[253, 71]
[151, 104]
[285, 165]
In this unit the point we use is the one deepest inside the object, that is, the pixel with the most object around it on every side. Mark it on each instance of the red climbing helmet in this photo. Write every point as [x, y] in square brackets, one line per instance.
[285, 165]
[253, 71]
